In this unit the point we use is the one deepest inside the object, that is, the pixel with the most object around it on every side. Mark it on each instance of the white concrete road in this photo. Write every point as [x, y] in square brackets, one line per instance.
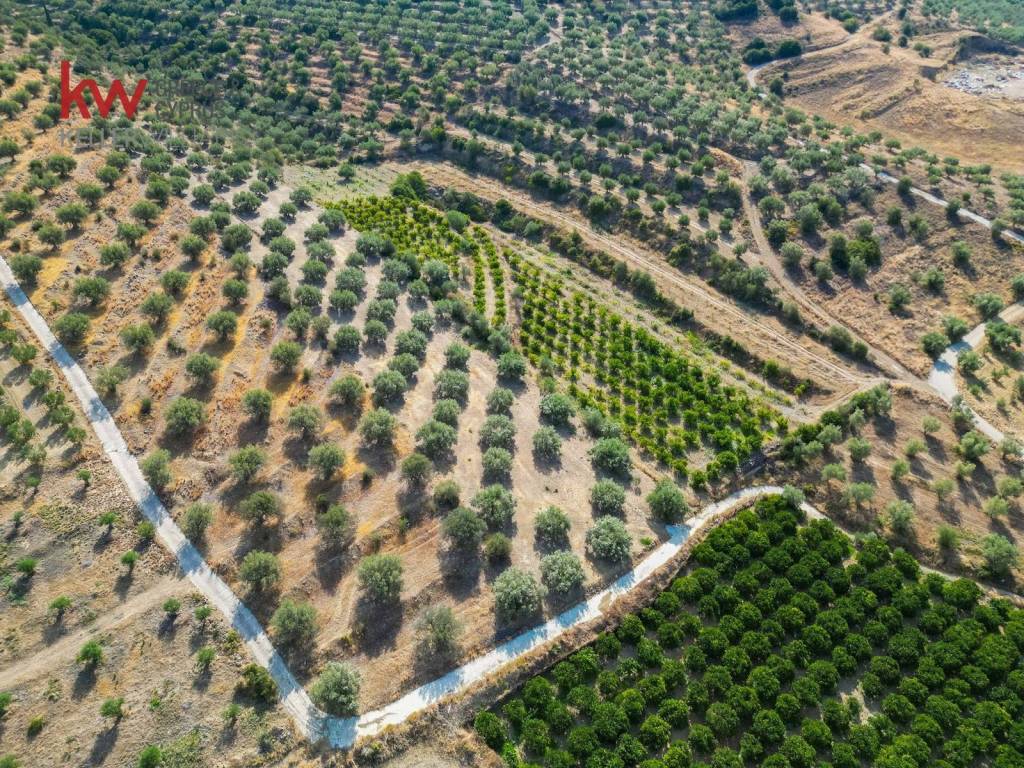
[942, 377]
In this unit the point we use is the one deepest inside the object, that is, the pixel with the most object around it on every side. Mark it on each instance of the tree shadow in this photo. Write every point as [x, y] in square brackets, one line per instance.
[332, 563]
[460, 572]
[103, 745]
[123, 583]
[380, 624]
[85, 681]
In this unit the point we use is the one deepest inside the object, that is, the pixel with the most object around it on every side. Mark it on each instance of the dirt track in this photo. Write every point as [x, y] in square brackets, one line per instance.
[761, 332]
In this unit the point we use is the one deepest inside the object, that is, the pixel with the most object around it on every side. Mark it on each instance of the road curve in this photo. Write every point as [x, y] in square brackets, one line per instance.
[942, 377]
[342, 732]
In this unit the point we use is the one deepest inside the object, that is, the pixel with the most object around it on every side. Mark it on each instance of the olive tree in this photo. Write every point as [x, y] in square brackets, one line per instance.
[380, 577]
[336, 690]
[516, 594]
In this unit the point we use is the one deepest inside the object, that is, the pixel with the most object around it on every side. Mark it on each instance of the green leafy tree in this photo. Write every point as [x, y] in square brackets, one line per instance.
[260, 570]
[325, 459]
[667, 502]
[185, 415]
[294, 625]
[380, 577]
[336, 690]
[516, 594]
[246, 462]
[609, 540]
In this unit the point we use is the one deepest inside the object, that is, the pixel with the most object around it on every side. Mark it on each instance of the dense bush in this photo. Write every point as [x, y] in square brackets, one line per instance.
[336, 690]
[380, 577]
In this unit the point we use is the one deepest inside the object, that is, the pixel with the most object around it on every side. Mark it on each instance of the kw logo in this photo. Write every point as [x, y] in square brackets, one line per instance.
[75, 96]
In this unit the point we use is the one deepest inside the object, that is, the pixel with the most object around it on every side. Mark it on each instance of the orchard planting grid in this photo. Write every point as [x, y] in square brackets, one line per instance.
[420, 229]
[784, 644]
[665, 402]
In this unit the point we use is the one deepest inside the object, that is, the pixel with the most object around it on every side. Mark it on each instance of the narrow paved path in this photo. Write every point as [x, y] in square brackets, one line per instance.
[942, 377]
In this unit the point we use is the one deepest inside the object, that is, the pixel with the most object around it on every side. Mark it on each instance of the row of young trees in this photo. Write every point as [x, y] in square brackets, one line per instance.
[669, 405]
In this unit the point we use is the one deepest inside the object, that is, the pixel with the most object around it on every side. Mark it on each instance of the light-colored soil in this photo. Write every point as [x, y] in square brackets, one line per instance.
[864, 305]
[387, 516]
[148, 661]
[902, 95]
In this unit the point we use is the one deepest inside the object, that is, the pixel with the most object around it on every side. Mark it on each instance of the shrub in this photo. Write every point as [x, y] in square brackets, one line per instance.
[71, 328]
[512, 366]
[138, 337]
[257, 684]
[335, 525]
[490, 729]
[999, 553]
[609, 540]
[246, 462]
[500, 401]
[436, 438]
[258, 506]
[377, 428]
[185, 415]
[380, 577]
[498, 431]
[561, 572]
[451, 385]
[516, 594]
[416, 469]
[446, 494]
[447, 412]
[156, 468]
[196, 520]
[463, 528]
[900, 514]
[90, 654]
[611, 455]
[347, 391]
[325, 459]
[667, 502]
[558, 409]
[439, 631]
[497, 463]
[497, 548]
[456, 356]
[285, 355]
[222, 323]
[257, 403]
[607, 497]
[547, 445]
